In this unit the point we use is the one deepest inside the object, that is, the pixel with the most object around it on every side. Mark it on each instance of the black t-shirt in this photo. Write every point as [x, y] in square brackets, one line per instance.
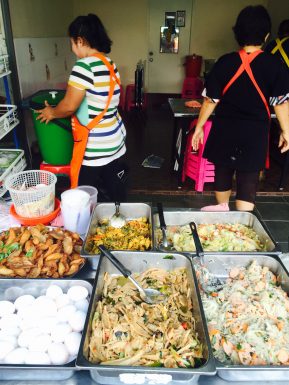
[239, 135]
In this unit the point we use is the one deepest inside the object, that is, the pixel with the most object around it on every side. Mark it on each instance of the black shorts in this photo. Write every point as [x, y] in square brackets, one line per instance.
[246, 182]
[111, 180]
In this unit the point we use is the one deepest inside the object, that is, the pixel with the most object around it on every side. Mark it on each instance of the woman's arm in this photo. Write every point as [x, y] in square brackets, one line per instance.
[207, 109]
[66, 107]
[282, 114]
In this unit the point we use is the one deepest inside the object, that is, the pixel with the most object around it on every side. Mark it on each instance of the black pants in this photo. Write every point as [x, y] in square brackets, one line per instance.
[246, 182]
[111, 180]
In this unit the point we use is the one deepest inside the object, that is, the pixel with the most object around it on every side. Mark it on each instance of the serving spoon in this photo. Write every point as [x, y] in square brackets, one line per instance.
[117, 220]
[150, 296]
[208, 281]
[164, 245]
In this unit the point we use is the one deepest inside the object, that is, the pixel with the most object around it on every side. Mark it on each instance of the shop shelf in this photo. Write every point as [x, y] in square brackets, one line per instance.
[8, 118]
[15, 162]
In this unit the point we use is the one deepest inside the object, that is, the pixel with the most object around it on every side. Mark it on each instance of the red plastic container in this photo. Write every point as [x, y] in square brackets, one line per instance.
[193, 66]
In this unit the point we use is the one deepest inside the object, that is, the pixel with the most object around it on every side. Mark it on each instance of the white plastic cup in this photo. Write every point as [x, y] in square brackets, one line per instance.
[75, 209]
[92, 191]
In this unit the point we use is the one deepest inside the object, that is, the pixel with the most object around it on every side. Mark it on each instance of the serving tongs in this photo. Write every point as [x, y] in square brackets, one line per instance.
[208, 281]
[150, 296]
[117, 220]
[164, 245]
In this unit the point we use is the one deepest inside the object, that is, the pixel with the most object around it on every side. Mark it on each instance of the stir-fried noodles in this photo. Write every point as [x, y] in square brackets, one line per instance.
[128, 331]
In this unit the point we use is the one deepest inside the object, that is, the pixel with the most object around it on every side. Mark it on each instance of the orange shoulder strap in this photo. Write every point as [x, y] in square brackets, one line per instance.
[112, 82]
[245, 66]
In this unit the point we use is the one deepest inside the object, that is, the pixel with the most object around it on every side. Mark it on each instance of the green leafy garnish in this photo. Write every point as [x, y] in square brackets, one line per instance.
[29, 253]
[121, 281]
[169, 257]
[157, 364]
[239, 346]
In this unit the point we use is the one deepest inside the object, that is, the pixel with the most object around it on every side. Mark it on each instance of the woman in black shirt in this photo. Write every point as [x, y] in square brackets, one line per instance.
[239, 89]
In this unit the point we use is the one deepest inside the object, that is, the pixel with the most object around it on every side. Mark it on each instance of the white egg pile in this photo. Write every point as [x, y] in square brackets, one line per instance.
[43, 330]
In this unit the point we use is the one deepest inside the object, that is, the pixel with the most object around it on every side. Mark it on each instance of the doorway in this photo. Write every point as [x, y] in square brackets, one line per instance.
[166, 70]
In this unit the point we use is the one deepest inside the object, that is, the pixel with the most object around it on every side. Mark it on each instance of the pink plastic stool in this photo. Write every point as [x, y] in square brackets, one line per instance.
[192, 88]
[195, 166]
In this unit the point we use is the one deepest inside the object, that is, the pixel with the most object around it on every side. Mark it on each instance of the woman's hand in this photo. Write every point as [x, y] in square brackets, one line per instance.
[284, 141]
[197, 138]
[46, 114]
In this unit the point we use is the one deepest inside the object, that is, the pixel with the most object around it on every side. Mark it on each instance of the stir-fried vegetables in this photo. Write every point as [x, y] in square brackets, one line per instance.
[134, 235]
[127, 331]
[248, 319]
[215, 237]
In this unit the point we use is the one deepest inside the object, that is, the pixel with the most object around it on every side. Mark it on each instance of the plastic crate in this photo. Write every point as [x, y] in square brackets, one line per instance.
[4, 66]
[8, 118]
[17, 164]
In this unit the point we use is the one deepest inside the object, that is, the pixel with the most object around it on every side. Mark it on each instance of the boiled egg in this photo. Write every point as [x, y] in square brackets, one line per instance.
[72, 342]
[40, 343]
[6, 307]
[24, 301]
[58, 354]
[37, 358]
[5, 348]
[9, 320]
[82, 305]
[46, 306]
[62, 300]
[76, 293]
[16, 356]
[9, 338]
[65, 313]
[13, 292]
[77, 321]
[27, 336]
[60, 331]
[46, 324]
[54, 291]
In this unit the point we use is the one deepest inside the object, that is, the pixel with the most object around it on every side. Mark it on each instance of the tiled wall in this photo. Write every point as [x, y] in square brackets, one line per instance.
[42, 63]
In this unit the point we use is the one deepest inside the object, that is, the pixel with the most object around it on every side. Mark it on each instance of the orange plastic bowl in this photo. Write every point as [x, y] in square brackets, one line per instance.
[45, 219]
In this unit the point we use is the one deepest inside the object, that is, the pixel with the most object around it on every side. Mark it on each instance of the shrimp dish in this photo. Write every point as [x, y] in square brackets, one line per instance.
[248, 320]
[127, 331]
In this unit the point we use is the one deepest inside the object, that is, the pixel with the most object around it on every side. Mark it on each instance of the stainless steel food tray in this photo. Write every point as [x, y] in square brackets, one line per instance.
[106, 210]
[138, 262]
[219, 266]
[183, 217]
[36, 287]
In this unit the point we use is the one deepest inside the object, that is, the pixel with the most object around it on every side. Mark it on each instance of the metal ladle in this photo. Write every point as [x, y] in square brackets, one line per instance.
[208, 282]
[164, 245]
[117, 220]
[150, 296]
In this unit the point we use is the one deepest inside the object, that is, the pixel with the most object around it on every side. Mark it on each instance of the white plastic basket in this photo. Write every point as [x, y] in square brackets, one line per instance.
[17, 165]
[32, 192]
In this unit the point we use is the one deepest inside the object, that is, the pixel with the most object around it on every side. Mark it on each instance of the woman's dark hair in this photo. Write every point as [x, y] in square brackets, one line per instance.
[283, 30]
[91, 29]
[252, 25]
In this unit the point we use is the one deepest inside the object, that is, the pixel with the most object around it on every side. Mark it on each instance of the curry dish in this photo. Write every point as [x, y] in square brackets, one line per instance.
[128, 331]
[134, 235]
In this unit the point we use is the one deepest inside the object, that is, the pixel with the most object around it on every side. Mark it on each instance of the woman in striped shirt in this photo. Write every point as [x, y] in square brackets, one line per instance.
[93, 95]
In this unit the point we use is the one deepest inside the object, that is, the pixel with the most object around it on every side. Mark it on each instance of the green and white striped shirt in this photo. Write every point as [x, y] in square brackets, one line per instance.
[106, 141]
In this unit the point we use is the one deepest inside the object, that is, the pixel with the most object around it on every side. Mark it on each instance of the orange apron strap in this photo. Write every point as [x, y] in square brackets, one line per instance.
[248, 69]
[245, 66]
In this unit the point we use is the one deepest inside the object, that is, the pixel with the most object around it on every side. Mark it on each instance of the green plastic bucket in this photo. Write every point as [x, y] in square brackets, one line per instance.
[54, 138]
